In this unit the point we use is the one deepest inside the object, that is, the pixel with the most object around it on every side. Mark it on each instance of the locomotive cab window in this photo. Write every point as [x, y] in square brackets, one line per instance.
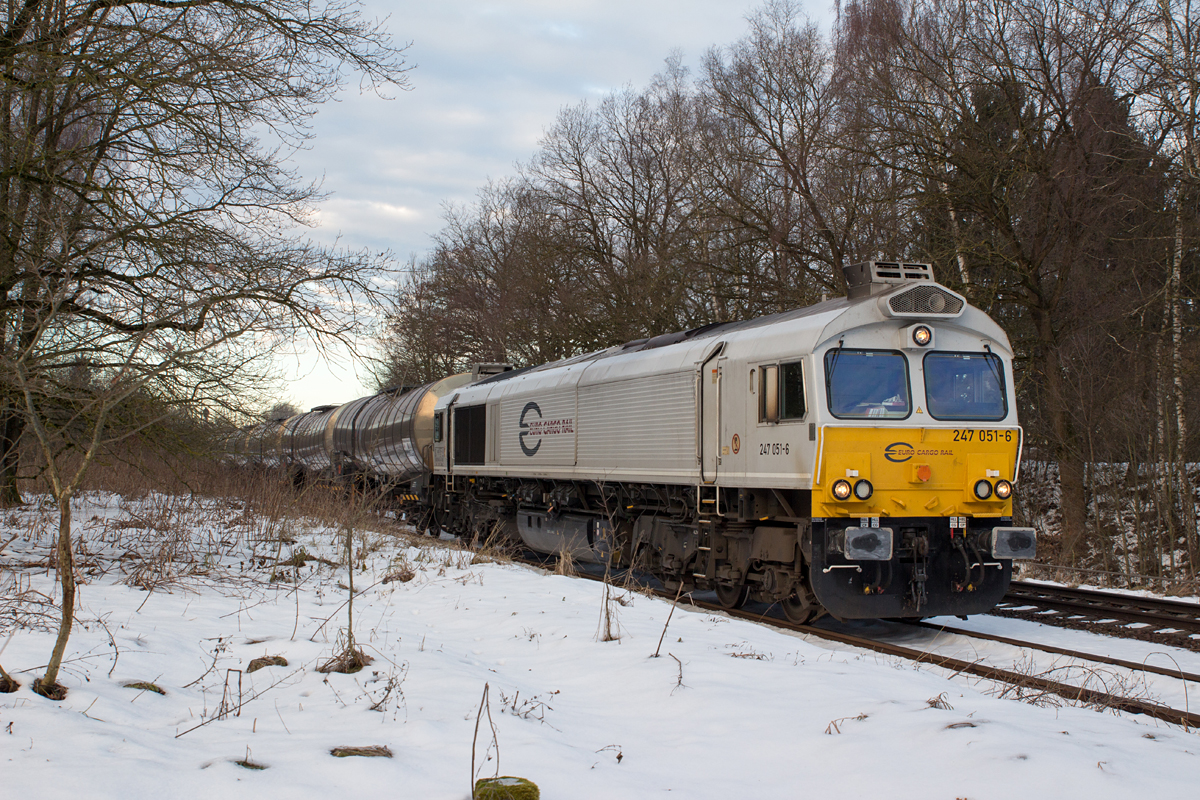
[867, 384]
[781, 393]
[791, 391]
[965, 386]
[437, 426]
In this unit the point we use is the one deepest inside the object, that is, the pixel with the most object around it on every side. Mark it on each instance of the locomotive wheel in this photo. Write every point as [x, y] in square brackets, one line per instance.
[732, 597]
[798, 609]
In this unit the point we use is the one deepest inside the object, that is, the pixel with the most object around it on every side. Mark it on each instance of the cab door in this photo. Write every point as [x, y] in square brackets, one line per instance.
[711, 373]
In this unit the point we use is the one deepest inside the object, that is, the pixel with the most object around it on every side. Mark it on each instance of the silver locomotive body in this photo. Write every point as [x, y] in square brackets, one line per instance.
[831, 458]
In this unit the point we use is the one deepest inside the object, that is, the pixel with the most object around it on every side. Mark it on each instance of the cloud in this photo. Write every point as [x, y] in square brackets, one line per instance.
[370, 214]
[492, 76]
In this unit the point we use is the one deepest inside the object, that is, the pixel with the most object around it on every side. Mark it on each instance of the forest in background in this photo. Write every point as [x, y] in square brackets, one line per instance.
[1042, 154]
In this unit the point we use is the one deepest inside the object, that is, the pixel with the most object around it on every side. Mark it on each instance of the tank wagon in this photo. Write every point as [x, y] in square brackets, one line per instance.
[855, 457]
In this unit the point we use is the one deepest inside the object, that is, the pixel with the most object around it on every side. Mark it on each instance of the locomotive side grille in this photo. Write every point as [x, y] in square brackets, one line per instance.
[926, 300]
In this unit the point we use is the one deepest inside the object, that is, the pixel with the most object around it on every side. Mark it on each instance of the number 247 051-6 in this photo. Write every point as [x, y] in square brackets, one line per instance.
[970, 435]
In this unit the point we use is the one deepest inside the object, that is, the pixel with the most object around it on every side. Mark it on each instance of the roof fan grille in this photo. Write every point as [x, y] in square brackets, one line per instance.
[925, 300]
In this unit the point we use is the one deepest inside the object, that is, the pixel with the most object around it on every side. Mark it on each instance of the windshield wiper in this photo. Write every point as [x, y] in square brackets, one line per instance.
[990, 358]
[837, 352]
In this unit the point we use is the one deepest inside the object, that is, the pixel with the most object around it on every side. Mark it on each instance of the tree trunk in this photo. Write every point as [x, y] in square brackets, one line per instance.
[1074, 504]
[1132, 499]
[350, 584]
[1066, 449]
[12, 426]
[1161, 473]
[1174, 313]
[48, 684]
[964, 273]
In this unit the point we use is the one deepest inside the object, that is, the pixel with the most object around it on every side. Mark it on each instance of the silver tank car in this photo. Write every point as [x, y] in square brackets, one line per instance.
[388, 436]
[261, 443]
[339, 436]
[304, 441]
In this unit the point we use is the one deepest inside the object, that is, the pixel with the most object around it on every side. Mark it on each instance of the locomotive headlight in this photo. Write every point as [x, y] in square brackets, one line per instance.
[917, 336]
[863, 489]
[1003, 489]
[983, 489]
[841, 489]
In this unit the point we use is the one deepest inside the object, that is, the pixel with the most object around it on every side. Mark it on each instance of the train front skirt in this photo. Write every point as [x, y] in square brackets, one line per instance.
[911, 567]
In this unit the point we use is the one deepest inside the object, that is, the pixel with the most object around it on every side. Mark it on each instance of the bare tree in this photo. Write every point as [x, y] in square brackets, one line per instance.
[597, 242]
[787, 158]
[620, 181]
[1039, 173]
[500, 286]
[146, 217]
[280, 410]
[1168, 51]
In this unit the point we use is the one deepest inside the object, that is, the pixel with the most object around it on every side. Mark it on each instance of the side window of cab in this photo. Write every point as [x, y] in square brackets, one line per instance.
[438, 426]
[781, 394]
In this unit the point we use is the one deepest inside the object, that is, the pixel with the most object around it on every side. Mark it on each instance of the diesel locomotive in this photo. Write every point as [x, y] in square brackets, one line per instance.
[856, 457]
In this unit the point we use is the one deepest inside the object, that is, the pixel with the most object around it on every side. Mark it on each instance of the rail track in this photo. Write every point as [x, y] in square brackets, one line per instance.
[1167, 622]
[1045, 648]
[1025, 684]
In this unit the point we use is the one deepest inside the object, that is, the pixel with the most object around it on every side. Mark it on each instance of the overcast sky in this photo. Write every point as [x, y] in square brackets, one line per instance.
[490, 78]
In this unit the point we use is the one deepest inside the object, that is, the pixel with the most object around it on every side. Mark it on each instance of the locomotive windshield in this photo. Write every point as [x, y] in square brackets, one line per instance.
[867, 384]
[965, 386]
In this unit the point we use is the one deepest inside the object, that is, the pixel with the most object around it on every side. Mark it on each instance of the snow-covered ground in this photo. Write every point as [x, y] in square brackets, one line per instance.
[730, 709]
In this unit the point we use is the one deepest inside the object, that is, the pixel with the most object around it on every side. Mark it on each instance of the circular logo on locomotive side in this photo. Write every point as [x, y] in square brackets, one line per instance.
[899, 452]
[526, 449]
[737, 443]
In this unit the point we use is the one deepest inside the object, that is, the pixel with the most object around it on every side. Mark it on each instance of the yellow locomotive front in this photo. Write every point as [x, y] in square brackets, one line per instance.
[912, 489]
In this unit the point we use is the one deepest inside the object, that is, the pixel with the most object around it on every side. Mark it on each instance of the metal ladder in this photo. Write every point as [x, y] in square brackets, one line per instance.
[708, 511]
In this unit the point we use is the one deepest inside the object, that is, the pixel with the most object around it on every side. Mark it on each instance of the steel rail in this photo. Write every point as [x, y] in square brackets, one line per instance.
[1045, 648]
[1159, 613]
[1186, 607]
